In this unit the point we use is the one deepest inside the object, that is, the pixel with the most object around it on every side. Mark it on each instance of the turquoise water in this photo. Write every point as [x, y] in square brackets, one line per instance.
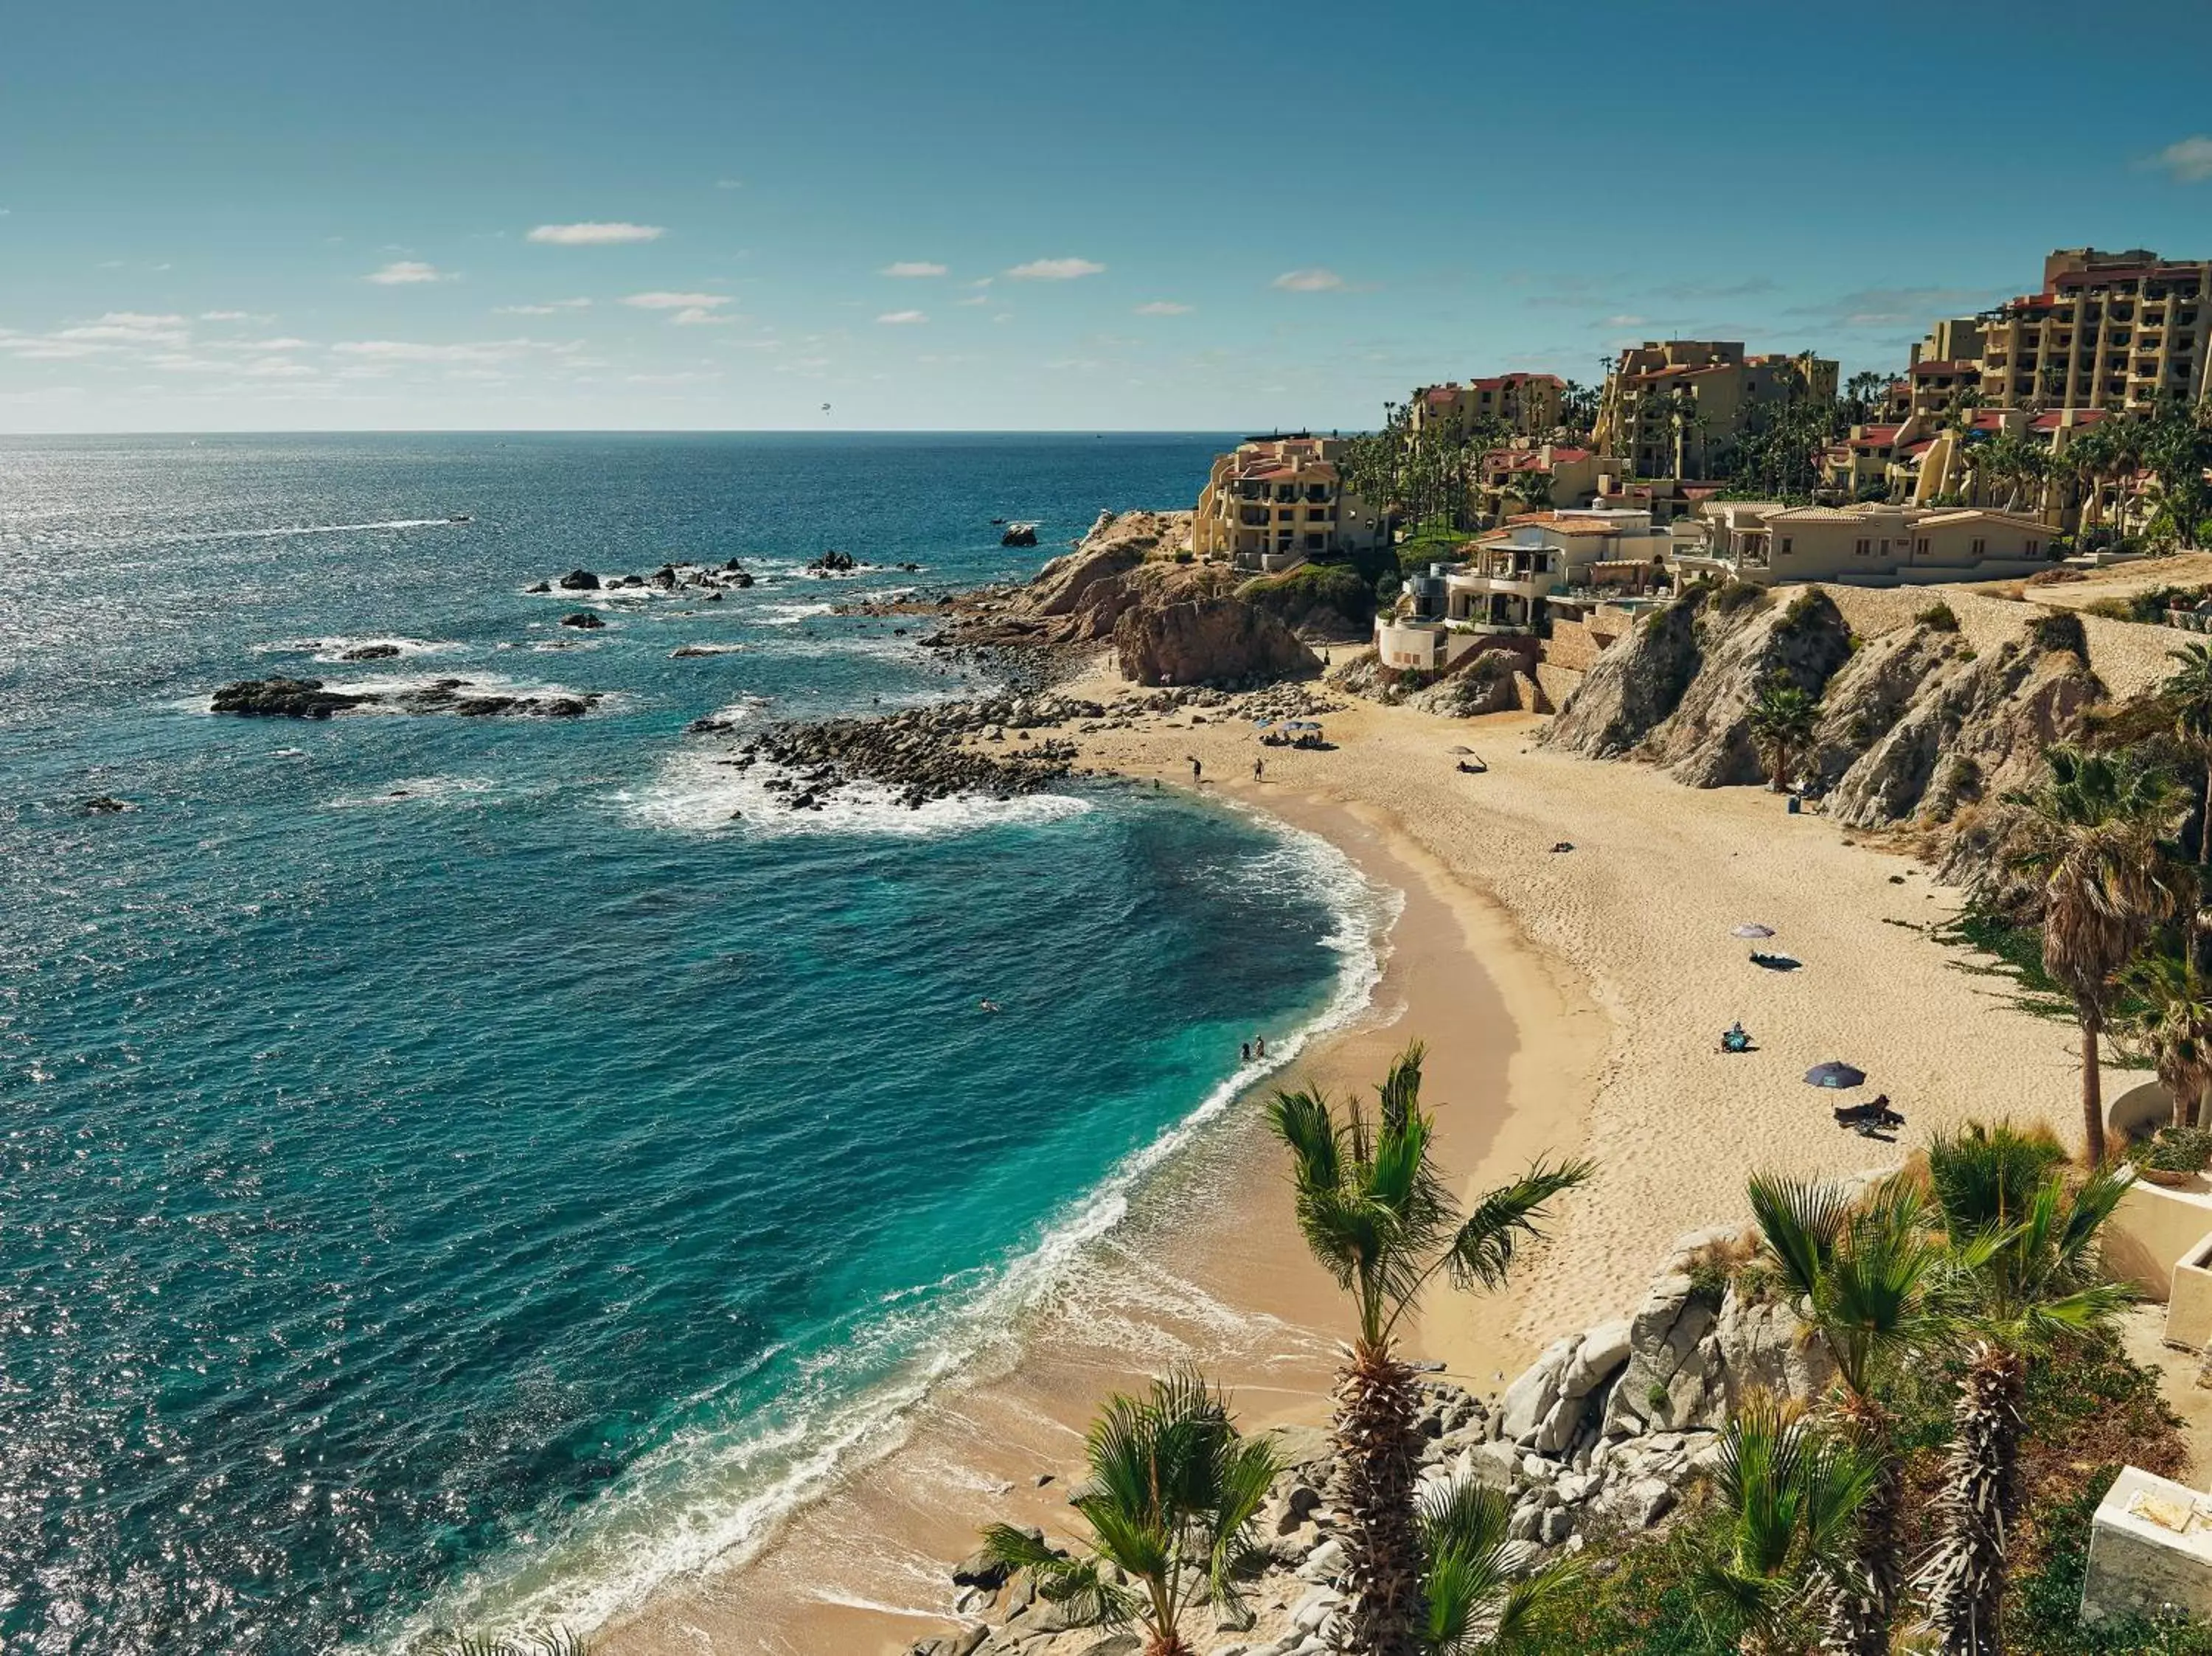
[451, 1168]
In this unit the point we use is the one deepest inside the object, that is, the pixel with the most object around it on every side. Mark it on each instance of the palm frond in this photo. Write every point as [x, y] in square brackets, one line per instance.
[1399, 1095]
[1799, 1220]
[1301, 1120]
[1482, 1251]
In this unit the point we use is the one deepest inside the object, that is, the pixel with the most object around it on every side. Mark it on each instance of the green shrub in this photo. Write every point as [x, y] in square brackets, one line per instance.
[2061, 629]
[1731, 595]
[1938, 617]
[1297, 592]
[2179, 1149]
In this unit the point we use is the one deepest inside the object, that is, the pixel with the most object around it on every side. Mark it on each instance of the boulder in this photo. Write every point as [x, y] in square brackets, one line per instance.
[584, 619]
[1208, 640]
[370, 652]
[579, 580]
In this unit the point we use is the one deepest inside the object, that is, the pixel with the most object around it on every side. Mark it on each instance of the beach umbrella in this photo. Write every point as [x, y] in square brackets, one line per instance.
[1835, 1074]
[1263, 724]
[1754, 930]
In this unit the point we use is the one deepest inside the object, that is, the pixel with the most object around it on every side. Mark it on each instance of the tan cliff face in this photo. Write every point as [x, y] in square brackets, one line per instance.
[1917, 727]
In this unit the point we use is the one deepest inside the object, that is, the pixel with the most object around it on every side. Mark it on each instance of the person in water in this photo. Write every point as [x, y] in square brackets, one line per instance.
[1246, 1053]
[1260, 1045]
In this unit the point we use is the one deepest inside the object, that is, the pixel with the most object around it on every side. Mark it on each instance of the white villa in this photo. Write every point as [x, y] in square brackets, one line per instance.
[1875, 544]
[1510, 574]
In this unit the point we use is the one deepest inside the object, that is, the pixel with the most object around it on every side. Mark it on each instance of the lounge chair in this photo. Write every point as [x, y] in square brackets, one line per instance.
[1868, 1117]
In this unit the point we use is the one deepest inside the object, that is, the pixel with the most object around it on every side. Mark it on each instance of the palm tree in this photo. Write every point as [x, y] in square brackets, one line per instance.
[1379, 1218]
[2187, 696]
[2173, 1024]
[2026, 1253]
[1863, 1275]
[1781, 722]
[2095, 830]
[1532, 488]
[1479, 1588]
[1791, 1494]
[1170, 1501]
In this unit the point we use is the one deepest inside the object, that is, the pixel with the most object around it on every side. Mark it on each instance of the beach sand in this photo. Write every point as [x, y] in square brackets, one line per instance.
[1571, 1002]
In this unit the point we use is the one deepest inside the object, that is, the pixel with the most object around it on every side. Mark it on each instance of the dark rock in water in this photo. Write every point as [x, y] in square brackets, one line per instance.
[370, 652]
[731, 566]
[1019, 534]
[283, 698]
[480, 707]
[743, 579]
[714, 598]
[664, 576]
[579, 580]
[832, 562]
[584, 619]
[563, 706]
[631, 580]
[542, 586]
[106, 805]
[910, 569]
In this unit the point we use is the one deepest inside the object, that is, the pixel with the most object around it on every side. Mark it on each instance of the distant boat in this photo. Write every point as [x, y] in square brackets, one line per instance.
[458, 518]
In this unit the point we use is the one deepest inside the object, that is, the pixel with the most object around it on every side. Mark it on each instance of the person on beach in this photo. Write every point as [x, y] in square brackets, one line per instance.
[1246, 1053]
[1197, 770]
[1259, 768]
[1260, 1045]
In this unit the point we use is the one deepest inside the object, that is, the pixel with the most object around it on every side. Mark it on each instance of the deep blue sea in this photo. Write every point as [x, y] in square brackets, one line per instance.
[451, 1168]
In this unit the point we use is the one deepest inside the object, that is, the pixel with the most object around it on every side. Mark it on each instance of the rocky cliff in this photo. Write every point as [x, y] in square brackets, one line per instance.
[1914, 724]
[1169, 621]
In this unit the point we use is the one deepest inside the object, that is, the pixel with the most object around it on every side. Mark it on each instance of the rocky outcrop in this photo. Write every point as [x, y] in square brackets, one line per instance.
[1487, 682]
[370, 653]
[579, 580]
[1208, 641]
[283, 698]
[306, 698]
[1975, 726]
[1680, 690]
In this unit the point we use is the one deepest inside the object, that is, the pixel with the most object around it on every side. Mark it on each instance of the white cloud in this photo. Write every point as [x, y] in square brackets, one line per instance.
[1626, 320]
[974, 299]
[1314, 281]
[2190, 161]
[595, 235]
[225, 316]
[551, 307]
[696, 316]
[127, 328]
[901, 318]
[277, 367]
[667, 301]
[403, 272]
[729, 183]
[912, 267]
[1163, 307]
[1054, 269]
[404, 350]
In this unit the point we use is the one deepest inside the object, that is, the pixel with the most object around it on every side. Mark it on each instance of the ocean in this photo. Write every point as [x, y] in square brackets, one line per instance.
[456, 1171]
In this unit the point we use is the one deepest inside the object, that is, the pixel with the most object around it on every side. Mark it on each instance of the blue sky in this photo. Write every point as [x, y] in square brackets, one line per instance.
[971, 214]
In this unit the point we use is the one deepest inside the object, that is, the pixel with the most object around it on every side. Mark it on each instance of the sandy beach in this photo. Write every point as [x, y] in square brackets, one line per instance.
[1572, 1001]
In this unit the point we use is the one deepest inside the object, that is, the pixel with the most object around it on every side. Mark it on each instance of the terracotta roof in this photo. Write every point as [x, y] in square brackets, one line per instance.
[1957, 365]
[1824, 514]
[1916, 450]
[1874, 436]
[2054, 418]
[1962, 513]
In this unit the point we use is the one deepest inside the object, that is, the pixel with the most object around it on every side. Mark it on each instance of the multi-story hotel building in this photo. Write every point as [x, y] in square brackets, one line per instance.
[1272, 502]
[2106, 331]
[1670, 407]
[1526, 405]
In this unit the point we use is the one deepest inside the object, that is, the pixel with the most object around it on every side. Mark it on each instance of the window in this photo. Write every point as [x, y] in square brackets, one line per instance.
[1920, 546]
[1978, 547]
[2030, 549]
[1316, 543]
[1863, 548]
[1785, 546]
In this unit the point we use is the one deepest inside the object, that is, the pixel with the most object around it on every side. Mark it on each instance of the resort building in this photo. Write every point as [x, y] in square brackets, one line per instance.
[1875, 544]
[2106, 331]
[1526, 405]
[1669, 407]
[1508, 577]
[1272, 502]
[1531, 477]
[1946, 365]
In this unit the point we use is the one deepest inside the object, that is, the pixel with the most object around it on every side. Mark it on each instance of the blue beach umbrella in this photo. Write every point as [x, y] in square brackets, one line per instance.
[1835, 1074]
[1263, 724]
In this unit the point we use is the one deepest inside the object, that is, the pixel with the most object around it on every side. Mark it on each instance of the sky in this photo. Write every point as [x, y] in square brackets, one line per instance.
[983, 215]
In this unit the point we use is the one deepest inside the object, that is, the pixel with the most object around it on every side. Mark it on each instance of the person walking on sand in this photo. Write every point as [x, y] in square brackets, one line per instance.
[1197, 770]
[1259, 768]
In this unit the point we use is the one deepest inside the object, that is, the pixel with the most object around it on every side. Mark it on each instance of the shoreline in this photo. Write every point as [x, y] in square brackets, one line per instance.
[1207, 1266]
